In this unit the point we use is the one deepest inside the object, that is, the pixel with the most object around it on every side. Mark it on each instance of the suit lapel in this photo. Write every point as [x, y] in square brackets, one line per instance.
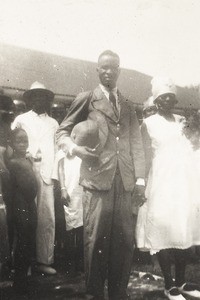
[101, 103]
[124, 108]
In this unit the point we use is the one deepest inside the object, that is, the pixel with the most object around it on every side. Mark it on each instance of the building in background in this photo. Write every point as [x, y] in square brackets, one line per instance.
[69, 76]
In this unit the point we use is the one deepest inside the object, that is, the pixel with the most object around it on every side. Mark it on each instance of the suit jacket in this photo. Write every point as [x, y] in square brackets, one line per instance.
[121, 142]
[41, 131]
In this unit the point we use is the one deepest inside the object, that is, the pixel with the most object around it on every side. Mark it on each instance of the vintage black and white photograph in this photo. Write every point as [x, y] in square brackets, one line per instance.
[99, 149]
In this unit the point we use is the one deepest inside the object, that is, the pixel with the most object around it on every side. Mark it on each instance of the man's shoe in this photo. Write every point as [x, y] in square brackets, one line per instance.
[45, 269]
[190, 289]
[173, 294]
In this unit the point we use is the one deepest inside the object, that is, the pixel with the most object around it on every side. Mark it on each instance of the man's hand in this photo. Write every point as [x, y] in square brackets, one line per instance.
[85, 152]
[139, 194]
[65, 197]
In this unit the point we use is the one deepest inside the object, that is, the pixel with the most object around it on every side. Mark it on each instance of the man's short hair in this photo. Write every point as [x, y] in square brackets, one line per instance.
[110, 53]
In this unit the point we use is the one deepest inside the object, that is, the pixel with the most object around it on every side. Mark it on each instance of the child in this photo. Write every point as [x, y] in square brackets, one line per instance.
[24, 190]
[71, 197]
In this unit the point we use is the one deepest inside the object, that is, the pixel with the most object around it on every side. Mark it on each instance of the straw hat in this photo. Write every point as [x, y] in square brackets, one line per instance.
[86, 133]
[38, 88]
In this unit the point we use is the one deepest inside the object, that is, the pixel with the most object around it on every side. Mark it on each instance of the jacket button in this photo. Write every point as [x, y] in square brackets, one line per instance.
[117, 138]
[117, 152]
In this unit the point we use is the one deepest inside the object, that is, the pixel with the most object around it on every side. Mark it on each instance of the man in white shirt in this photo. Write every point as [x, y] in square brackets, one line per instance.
[41, 130]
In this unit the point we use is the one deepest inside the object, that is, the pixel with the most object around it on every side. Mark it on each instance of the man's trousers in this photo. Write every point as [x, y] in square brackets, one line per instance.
[45, 235]
[109, 227]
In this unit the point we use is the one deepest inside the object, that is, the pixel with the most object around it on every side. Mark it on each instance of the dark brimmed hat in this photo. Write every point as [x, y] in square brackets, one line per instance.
[86, 133]
[6, 103]
[38, 88]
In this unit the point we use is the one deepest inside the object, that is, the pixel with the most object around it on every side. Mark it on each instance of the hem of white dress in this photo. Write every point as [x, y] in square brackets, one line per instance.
[154, 251]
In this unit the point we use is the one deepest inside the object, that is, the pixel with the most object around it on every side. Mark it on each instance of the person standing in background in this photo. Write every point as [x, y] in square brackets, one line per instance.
[41, 129]
[58, 111]
[169, 222]
[6, 224]
[23, 186]
[109, 174]
[20, 107]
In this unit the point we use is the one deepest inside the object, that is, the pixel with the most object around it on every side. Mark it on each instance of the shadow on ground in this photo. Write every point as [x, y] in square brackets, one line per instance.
[69, 284]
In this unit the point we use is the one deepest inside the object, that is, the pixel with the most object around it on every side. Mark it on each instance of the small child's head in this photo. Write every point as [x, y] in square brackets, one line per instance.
[19, 141]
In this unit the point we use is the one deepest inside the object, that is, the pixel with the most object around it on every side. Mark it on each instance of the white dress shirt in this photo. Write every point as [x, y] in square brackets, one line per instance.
[41, 131]
[107, 92]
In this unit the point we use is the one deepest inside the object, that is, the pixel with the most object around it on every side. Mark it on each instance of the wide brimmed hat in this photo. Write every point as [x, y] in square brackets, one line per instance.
[161, 86]
[86, 133]
[38, 88]
[6, 103]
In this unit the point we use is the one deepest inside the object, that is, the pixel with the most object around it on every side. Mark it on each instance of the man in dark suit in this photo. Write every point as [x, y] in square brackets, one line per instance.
[109, 174]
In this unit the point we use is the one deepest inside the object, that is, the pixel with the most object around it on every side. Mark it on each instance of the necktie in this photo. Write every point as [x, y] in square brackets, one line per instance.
[113, 101]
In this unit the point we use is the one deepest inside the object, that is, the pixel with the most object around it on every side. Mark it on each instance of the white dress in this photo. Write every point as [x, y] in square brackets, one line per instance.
[171, 216]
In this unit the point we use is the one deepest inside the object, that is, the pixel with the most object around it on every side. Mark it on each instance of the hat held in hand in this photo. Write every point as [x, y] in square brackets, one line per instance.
[161, 86]
[86, 133]
[36, 89]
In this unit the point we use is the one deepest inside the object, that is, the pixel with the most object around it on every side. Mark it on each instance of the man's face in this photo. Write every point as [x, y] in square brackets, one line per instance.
[40, 103]
[108, 69]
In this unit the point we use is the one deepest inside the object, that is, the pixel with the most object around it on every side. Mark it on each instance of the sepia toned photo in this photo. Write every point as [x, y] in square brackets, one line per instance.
[99, 150]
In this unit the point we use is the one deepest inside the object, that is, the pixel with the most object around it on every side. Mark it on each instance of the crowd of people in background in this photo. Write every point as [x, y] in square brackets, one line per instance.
[95, 172]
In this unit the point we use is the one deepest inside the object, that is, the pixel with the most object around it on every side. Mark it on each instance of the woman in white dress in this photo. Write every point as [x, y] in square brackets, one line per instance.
[169, 222]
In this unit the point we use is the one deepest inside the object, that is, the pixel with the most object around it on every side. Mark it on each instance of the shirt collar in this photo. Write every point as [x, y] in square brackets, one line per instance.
[106, 90]
[40, 115]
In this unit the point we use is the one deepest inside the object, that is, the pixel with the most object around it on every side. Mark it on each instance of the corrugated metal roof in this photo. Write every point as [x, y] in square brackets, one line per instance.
[66, 77]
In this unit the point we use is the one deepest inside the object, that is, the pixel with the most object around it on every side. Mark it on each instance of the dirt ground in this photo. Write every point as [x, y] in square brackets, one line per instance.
[145, 282]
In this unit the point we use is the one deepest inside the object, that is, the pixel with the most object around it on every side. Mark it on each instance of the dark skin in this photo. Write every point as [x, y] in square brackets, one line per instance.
[165, 103]
[40, 103]
[108, 71]
[61, 172]
[20, 166]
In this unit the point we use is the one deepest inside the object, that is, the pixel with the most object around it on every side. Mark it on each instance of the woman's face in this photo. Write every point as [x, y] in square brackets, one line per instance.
[166, 102]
